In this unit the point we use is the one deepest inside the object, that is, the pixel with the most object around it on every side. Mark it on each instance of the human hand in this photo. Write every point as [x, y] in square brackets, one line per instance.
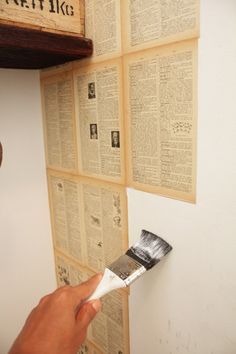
[58, 325]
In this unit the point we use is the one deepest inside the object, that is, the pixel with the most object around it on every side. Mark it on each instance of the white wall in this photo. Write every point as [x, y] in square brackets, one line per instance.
[187, 304]
[26, 257]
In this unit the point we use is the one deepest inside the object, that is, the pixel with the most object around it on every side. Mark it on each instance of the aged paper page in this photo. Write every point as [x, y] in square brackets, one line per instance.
[66, 220]
[103, 26]
[62, 270]
[109, 332]
[55, 70]
[110, 329]
[59, 121]
[88, 348]
[89, 219]
[99, 117]
[105, 223]
[148, 23]
[161, 122]
[68, 272]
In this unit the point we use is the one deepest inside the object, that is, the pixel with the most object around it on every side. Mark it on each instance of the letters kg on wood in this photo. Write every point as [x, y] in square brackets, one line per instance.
[53, 6]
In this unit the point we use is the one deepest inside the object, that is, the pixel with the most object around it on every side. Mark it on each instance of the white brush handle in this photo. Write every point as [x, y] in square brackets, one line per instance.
[110, 281]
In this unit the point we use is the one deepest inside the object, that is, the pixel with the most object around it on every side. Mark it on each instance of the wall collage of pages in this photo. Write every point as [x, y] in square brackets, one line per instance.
[126, 117]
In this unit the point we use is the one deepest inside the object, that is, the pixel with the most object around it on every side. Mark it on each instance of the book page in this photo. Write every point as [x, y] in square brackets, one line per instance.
[55, 70]
[66, 217]
[109, 331]
[103, 26]
[149, 23]
[62, 270]
[89, 219]
[59, 121]
[88, 348]
[99, 117]
[68, 272]
[161, 120]
[105, 223]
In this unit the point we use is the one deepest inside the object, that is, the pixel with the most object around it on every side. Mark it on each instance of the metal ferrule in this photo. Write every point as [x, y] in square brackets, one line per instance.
[127, 268]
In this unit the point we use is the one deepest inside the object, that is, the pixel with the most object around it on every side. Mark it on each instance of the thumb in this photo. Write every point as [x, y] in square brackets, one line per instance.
[87, 313]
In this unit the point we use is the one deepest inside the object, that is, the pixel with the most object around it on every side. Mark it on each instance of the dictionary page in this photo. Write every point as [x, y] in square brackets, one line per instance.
[109, 331]
[103, 26]
[160, 91]
[59, 121]
[105, 222]
[149, 23]
[99, 118]
[88, 348]
[66, 215]
[89, 219]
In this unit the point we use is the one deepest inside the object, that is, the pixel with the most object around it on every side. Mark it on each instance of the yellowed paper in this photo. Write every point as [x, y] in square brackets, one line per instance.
[88, 348]
[103, 26]
[105, 223]
[66, 216]
[55, 70]
[99, 117]
[68, 272]
[149, 23]
[160, 91]
[109, 332]
[89, 219]
[110, 329]
[59, 121]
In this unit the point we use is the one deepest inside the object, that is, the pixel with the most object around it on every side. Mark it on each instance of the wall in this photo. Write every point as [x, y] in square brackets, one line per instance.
[26, 257]
[187, 304]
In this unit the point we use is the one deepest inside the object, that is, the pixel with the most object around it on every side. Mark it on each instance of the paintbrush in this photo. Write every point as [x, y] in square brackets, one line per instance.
[142, 256]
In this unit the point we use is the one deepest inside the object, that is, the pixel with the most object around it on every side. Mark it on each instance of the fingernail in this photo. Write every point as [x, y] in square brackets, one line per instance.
[97, 305]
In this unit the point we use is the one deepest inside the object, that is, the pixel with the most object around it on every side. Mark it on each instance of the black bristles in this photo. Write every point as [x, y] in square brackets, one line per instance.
[149, 249]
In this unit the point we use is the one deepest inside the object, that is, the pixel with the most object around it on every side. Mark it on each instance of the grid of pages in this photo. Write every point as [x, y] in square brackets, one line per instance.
[126, 117]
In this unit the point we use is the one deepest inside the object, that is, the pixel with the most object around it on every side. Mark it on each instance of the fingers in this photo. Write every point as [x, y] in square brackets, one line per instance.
[87, 313]
[85, 289]
[72, 296]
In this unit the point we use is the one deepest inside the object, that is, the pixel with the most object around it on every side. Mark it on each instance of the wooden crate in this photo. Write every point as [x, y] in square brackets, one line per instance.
[65, 16]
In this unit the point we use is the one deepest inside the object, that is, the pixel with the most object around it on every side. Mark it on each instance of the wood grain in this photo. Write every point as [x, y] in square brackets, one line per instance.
[35, 49]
